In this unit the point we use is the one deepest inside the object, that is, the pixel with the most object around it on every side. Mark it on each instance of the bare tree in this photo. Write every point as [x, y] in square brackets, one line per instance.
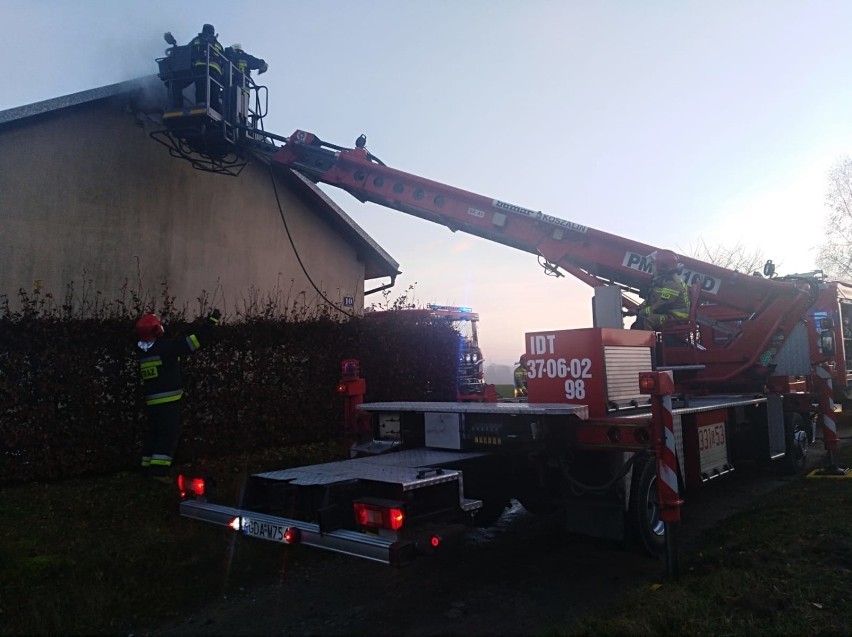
[835, 255]
[736, 257]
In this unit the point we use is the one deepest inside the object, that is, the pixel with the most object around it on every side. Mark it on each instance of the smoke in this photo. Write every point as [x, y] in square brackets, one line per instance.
[67, 47]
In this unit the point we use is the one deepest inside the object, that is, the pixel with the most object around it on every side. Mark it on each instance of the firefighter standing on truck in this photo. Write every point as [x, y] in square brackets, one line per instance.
[159, 367]
[520, 377]
[668, 296]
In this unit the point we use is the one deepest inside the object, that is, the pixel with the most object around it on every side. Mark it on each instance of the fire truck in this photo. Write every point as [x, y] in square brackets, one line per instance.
[619, 423]
[470, 372]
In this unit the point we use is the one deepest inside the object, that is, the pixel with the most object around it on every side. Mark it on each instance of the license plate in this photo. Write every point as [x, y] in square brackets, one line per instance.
[711, 436]
[263, 530]
[713, 450]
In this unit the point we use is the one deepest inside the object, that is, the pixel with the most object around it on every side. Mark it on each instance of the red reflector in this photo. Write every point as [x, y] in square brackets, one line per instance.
[181, 480]
[378, 516]
[292, 536]
[198, 486]
[341, 388]
[647, 384]
[435, 541]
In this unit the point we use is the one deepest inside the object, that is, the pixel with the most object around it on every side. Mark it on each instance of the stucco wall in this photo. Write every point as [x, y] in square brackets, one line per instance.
[87, 195]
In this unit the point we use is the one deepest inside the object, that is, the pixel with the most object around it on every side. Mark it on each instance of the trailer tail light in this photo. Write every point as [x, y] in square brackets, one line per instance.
[187, 486]
[379, 514]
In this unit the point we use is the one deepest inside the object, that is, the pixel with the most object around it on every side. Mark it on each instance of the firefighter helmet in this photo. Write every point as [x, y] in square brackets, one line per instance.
[665, 261]
[149, 327]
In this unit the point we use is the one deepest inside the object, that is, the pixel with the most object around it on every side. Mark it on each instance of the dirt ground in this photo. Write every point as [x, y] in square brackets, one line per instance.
[521, 577]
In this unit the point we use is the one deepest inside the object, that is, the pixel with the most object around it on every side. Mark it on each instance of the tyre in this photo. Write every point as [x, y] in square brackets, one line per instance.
[493, 506]
[796, 442]
[646, 529]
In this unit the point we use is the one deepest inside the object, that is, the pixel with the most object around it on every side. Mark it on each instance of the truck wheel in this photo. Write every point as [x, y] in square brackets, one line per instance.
[796, 438]
[646, 528]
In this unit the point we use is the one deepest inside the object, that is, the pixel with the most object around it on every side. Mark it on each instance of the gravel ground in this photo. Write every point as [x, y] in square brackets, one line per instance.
[521, 577]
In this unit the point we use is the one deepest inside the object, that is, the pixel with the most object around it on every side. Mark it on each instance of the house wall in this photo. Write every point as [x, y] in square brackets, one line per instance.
[86, 196]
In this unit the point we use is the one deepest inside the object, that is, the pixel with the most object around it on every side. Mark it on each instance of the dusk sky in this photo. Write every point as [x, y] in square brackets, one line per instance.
[668, 122]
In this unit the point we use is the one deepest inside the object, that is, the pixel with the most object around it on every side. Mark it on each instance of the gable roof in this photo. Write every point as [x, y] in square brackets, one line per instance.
[149, 96]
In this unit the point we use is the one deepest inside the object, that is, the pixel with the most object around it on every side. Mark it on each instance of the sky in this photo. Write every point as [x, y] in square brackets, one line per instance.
[665, 121]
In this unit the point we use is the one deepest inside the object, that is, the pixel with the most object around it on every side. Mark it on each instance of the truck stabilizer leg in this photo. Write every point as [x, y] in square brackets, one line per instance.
[829, 427]
[661, 386]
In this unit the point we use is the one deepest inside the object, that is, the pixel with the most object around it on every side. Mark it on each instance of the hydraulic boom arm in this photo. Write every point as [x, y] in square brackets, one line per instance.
[752, 314]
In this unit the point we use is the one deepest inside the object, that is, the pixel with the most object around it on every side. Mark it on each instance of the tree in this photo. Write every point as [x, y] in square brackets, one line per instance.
[737, 257]
[835, 255]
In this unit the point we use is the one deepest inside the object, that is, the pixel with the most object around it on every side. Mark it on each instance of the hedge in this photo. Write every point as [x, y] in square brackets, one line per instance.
[71, 399]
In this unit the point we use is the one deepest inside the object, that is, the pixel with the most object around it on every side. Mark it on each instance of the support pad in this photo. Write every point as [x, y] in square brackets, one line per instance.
[830, 472]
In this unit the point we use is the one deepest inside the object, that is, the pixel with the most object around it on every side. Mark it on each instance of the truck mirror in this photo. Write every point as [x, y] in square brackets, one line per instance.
[769, 269]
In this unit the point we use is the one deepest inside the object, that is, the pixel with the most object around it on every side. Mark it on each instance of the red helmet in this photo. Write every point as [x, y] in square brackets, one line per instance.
[665, 261]
[149, 327]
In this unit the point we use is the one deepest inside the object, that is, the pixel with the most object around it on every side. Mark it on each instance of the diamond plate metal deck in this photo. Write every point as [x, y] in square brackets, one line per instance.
[411, 468]
[508, 408]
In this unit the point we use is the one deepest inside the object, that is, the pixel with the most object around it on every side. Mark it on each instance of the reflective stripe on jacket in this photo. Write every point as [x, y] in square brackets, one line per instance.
[163, 397]
[159, 365]
[200, 53]
[669, 295]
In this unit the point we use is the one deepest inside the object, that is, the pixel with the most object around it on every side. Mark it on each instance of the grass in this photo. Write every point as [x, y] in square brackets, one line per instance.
[784, 568]
[109, 555]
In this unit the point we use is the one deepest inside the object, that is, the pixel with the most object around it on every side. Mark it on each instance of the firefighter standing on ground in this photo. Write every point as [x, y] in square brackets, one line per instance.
[208, 59]
[159, 366]
[668, 296]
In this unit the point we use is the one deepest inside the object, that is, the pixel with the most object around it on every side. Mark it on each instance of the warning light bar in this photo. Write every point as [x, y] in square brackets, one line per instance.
[379, 514]
[448, 308]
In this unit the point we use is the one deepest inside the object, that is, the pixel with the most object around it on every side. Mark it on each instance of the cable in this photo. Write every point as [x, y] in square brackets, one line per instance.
[296, 252]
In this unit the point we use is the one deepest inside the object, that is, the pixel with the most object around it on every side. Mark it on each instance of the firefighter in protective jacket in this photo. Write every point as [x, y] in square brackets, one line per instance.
[244, 62]
[159, 367]
[208, 59]
[668, 296]
[520, 377]
[242, 65]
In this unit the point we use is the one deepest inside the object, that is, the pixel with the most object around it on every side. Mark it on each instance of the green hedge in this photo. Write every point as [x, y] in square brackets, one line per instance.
[71, 401]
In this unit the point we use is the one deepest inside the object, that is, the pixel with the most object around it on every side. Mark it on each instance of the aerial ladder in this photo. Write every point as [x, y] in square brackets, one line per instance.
[746, 332]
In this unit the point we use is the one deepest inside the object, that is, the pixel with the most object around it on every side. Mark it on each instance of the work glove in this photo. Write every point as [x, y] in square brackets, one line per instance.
[264, 67]
[215, 315]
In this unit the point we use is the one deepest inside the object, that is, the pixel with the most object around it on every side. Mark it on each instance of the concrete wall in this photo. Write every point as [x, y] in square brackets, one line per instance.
[87, 196]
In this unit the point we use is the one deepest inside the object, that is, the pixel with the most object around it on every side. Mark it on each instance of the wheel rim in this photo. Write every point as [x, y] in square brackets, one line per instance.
[652, 510]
